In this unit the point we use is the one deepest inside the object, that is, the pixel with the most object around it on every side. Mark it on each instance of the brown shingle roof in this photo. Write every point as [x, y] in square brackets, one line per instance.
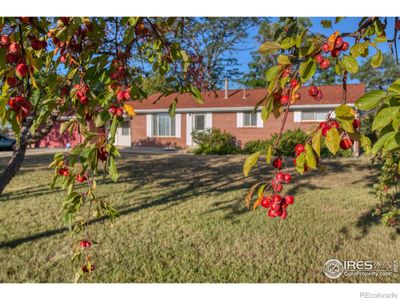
[332, 94]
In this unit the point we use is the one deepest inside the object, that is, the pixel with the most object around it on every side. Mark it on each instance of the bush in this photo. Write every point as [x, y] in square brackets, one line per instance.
[214, 141]
[288, 141]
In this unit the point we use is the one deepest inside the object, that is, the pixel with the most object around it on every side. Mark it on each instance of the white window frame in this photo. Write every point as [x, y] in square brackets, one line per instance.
[154, 130]
[315, 119]
[194, 121]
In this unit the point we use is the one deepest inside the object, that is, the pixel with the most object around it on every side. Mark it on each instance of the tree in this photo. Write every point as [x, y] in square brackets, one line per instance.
[380, 77]
[212, 43]
[299, 54]
[86, 69]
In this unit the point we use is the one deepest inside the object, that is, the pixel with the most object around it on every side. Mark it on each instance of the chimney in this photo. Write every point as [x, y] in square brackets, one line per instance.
[226, 88]
[244, 93]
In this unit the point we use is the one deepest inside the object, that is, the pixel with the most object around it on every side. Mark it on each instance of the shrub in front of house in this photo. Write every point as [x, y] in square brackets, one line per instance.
[288, 141]
[215, 141]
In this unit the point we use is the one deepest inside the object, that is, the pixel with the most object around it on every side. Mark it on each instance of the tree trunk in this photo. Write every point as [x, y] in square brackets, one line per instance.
[13, 166]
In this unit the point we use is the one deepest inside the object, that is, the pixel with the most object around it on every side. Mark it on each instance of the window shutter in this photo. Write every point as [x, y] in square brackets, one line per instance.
[208, 120]
[239, 119]
[189, 129]
[148, 126]
[178, 125]
[260, 123]
[297, 116]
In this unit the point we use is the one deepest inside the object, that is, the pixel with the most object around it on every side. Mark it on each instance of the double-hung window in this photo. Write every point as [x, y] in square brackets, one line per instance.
[319, 115]
[249, 119]
[163, 125]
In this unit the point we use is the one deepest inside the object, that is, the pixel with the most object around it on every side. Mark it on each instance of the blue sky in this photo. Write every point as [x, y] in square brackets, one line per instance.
[345, 25]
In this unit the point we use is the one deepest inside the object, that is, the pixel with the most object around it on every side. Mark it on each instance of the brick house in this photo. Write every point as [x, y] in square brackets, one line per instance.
[229, 110]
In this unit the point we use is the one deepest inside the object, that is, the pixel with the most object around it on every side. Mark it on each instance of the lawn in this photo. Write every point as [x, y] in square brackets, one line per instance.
[183, 219]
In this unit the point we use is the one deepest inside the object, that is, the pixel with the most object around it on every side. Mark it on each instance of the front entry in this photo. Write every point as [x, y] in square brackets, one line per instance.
[123, 134]
[196, 122]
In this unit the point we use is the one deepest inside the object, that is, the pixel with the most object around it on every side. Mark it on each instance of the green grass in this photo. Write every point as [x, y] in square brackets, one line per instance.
[183, 220]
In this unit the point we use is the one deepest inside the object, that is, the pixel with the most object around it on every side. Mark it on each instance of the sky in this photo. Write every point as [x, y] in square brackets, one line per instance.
[345, 25]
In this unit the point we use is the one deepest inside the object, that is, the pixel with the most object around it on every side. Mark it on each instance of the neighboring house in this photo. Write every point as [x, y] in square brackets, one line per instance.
[228, 110]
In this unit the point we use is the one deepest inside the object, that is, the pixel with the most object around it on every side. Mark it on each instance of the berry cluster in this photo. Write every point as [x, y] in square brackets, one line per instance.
[81, 178]
[315, 92]
[276, 205]
[334, 48]
[81, 93]
[63, 171]
[20, 104]
[345, 142]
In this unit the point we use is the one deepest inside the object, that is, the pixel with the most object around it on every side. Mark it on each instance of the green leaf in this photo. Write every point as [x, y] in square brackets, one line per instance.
[112, 169]
[345, 115]
[300, 162]
[250, 162]
[332, 140]
[395, 87]
[269, 154]
[268, 48]
[316, 142]
[284, 60]
[370, 100]
[288, 42]
[307, 69]
[381, 142]
[113, 129]
[2, 57]
[326, 23]
[172, 108]
[196, 94]
[338, 19]
[377, 59]
[310, 157]
[392, 142]
[384, 117]
[350, 64]
[272, 73]
[365, 143]
[266, 109]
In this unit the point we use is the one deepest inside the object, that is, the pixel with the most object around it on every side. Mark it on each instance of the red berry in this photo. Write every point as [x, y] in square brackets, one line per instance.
[11, 58]
[85, 268]
[294, 83]
[335, 52]
[276, 198]
[313, 91]
[325, 130]
[277, 186]
[63, 59]
[346, 143]
[112, 110]
[323, 124]
[65, 172]
[11, 81]
[120, 96]
[285, 73]
[319, 95]
[297, 96]
[84, 100]
[319, 58]
[398, 25]
[277, 213]
[284, 214]
[287, 178]
[14, 47]
[335, 124]
[279, 176]
[339, 42]
[22, 70]
[325, 64]
[266, 202]
[289, 199]
[271, 213]
[277, 163]
[85, 243]
[5, 40]
[345, 46]
[299, 148]
[81, 178]
[127, 95]
[325, 48]
[356, 123]
[284, 99]
[119, 112]
[276, 206]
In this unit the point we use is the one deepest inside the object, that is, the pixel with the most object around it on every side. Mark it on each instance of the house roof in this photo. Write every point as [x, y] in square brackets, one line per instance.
[332, 95]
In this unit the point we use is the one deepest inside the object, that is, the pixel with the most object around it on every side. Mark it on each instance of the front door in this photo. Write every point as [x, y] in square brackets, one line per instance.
[123, 134]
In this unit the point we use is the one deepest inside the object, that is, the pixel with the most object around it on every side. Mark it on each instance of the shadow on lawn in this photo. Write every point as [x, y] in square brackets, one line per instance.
[182, 177]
